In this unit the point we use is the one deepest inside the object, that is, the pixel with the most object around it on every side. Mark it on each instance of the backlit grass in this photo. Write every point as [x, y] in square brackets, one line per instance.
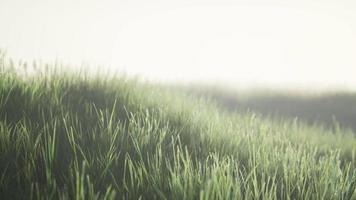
[79, 136]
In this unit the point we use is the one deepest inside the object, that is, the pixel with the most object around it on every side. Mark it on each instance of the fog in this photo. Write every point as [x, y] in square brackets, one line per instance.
[276, 44]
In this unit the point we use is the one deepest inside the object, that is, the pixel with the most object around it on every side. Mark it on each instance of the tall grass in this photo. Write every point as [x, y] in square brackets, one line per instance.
[74, 136]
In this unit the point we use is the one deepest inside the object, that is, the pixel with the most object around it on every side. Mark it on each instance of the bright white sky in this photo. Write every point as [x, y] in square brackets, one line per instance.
[272, 43]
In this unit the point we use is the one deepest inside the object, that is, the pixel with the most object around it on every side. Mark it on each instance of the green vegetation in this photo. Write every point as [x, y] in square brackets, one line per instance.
[324, 108]
[79, 136]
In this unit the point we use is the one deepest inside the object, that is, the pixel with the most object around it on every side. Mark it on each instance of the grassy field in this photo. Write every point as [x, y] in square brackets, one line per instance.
[81, 136]
[327, 108]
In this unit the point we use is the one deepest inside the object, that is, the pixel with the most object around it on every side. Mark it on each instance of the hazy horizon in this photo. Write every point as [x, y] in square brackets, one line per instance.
[274, 44]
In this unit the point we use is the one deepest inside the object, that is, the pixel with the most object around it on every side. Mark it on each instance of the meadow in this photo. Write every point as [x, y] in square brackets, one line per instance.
[101, 136]
[330, 109]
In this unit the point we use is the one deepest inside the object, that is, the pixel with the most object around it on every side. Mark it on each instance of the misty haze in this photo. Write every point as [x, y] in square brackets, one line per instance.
[178, 99]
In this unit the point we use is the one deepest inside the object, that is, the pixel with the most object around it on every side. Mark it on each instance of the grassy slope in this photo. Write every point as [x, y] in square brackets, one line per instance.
[81, 137]
[324, 108]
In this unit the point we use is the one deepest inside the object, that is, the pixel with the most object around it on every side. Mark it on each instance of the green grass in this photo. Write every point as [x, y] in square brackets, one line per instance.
[326, 108]
[81, 136]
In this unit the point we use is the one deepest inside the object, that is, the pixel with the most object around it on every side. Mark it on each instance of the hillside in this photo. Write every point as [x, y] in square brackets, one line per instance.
[78, 136]
[328, 109]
